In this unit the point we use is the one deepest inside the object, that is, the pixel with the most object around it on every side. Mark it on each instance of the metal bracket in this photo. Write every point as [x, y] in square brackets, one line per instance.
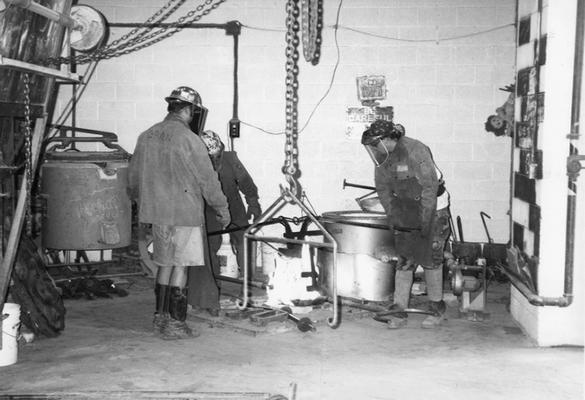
[287, 196]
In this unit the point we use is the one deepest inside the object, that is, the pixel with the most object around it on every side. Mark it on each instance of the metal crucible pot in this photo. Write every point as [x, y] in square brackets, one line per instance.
[359, 274]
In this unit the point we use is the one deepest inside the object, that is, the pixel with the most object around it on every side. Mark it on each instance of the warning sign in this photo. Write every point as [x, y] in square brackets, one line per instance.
[360, 118]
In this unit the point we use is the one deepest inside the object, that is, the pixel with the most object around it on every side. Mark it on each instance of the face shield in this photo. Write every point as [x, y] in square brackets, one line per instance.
[373, 140]
[376, 148]
[199, 116]
[379, 152]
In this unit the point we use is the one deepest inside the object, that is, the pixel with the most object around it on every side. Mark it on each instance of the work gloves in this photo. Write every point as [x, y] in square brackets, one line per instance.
[224, 219]
[254, 210]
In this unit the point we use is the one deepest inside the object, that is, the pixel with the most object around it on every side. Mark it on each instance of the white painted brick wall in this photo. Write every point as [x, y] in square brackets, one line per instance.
[442, 92]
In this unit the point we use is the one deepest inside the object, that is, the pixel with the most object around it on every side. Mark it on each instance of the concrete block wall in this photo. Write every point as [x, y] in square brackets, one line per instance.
[442, 76]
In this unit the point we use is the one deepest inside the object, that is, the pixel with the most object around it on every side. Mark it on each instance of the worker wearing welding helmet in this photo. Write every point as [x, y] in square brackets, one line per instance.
[235, 182]
[171, 178]
[413, 195]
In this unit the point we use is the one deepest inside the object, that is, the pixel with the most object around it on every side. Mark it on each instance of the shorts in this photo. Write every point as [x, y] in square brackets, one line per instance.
[178, 246]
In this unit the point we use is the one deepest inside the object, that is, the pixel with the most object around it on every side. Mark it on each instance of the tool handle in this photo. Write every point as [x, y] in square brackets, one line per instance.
[460, 228]
[355, 185]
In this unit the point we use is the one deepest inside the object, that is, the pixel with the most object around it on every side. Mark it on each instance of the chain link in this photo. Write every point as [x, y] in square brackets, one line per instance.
[152, 19]
[312, 24]
[27, 155]
[290, 167]
[148, 37]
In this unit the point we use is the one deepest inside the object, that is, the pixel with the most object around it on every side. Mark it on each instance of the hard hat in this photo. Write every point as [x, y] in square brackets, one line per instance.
[381, 129]
[186, 94]
[212, 142]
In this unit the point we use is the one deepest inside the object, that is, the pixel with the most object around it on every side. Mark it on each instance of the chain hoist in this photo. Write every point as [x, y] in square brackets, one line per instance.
[144, 40]
[290, 167]
[312, 25]
[28, 175]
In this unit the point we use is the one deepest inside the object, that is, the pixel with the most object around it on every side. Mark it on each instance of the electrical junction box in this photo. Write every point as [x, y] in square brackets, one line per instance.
[234, 128]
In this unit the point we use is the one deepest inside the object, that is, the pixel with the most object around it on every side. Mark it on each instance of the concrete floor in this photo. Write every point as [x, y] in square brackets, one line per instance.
[107, 350]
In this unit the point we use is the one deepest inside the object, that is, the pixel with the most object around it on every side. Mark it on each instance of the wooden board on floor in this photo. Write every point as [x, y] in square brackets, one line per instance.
[241, 325]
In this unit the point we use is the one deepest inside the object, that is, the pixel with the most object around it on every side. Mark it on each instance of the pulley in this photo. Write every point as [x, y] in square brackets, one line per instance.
[89, 29]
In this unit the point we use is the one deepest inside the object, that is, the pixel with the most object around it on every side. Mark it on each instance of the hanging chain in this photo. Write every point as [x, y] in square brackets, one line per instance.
[290, 167]
[148, 37]
[312, 24]
[27, 155]
[154, 18]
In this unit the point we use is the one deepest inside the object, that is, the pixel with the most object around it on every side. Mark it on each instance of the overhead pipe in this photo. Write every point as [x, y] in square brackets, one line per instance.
[228, 27]
[573, 168]
[233, 28]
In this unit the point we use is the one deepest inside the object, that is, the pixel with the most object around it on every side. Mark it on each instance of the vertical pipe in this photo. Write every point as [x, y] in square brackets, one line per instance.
[235, 104]
[573, 151]
[514, 134]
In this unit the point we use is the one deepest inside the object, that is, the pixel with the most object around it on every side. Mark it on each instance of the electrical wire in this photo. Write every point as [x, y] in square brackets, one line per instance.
[336, 28]
[326, 91]
[334, 68]
[436, 40]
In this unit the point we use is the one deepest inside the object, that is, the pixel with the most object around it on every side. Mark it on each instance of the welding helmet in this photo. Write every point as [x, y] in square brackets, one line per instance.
[372, 139]
[189, 95]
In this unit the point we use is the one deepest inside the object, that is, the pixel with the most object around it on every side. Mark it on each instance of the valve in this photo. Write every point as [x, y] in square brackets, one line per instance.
[574, 165]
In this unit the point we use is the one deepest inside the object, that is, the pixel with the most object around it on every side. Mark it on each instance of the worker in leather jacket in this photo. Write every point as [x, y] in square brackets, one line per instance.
[416, 203]
[171, 178]
[235, 182]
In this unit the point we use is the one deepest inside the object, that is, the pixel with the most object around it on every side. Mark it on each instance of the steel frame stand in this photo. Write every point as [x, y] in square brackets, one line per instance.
[287, 196]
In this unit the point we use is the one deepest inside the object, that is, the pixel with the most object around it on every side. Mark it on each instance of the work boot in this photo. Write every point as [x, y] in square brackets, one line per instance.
[396, 318]
[178, 303]
[438, 309]
[161, 315]
[176, 327]
[159, 322]
[175, 330]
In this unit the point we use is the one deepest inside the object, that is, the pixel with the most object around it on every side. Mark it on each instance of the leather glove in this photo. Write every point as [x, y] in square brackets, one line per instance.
[386, 254]
[224, 220]
[254, 210]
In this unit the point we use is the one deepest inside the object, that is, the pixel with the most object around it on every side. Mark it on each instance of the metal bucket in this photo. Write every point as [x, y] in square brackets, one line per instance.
[359, 274]
[87, 204]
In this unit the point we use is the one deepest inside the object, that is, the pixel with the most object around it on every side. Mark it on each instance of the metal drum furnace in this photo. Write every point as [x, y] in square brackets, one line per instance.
[87, 205]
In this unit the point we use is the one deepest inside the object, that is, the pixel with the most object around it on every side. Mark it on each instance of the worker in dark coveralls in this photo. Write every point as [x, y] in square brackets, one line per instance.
[170, 177]
[235, 182]
[416, 203]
